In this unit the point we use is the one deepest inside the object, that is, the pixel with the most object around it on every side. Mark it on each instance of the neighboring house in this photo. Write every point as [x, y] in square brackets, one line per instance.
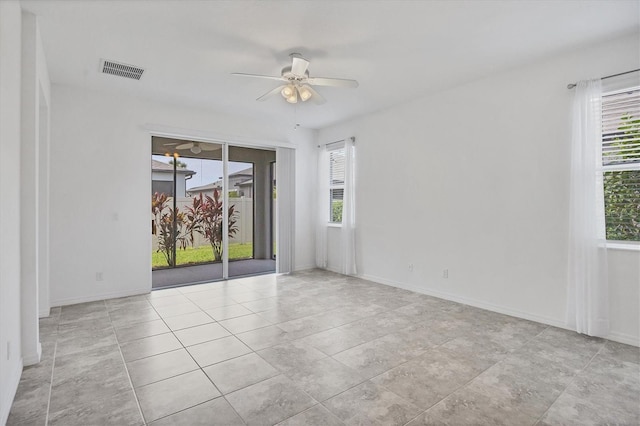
[204, 189]
[162, 178]
[245, 188]
[241, 181]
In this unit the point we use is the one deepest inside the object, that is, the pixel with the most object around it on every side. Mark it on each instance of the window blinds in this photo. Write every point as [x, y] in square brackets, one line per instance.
[336, 168]
[621, 128]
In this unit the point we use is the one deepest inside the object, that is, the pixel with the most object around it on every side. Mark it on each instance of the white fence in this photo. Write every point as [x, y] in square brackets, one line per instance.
[243, 215]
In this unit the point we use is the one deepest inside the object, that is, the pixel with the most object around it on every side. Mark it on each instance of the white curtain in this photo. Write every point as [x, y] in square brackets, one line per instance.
[348, 232]
[587, 296]
[285, 209]
[322, 212]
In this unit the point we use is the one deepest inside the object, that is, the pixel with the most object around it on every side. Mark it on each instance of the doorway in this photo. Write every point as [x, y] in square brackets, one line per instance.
[199, 190]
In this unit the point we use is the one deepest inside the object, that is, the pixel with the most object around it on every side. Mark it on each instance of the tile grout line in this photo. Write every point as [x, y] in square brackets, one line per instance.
[106, 306]
[570, 383]
[252, 351]
[491, 366]
[472, 379]
[223, 395]
[126, 369]
[53, 366]
[331, 356]
[196, 362]
[202, 368]
[384, 387]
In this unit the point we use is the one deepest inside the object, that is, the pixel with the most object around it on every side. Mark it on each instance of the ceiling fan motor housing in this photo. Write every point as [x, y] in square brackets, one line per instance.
[287, 74]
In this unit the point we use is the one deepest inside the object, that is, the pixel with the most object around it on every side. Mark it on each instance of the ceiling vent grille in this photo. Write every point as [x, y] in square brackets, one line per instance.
[122, 70]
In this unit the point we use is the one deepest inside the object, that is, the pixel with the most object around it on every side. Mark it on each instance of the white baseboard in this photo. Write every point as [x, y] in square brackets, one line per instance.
[299, 268]
[616, 337]
[471, 302]
[44, 312]
[101, 296]
[32, 359]
[9, 393]
[627, 339]
[337, 271]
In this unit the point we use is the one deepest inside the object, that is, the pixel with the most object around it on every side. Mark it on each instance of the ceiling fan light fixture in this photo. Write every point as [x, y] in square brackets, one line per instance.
[305, 93]
[196, 149]
[288, 91]
[293, 98]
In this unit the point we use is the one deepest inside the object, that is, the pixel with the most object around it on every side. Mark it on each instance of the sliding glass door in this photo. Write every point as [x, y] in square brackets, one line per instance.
[211, 215]
[250, 193]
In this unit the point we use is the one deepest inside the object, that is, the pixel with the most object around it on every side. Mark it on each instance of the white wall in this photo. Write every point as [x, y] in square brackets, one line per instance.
[10, 51]
[93, 135]
[487, 167]
[35, 95]
[43, 196]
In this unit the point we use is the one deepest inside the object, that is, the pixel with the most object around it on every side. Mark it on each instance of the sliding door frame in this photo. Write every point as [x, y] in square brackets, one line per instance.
[225, 211]
[226, 142]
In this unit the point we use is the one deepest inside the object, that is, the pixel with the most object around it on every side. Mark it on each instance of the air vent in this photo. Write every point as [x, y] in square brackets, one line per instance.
[121, 70]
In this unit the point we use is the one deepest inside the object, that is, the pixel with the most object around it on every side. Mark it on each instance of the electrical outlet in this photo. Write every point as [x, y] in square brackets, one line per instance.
[411, 267]
[445, 273]
[99, 276]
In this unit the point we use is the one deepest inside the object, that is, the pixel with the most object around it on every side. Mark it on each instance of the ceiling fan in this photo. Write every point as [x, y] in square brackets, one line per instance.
[195, 147]
[298, 82]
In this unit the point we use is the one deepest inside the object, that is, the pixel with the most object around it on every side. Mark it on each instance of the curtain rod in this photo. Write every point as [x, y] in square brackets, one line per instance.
[353, 139]
[572, 85]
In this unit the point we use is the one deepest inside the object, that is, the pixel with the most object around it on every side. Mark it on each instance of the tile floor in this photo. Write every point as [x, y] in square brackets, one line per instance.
[317, 348]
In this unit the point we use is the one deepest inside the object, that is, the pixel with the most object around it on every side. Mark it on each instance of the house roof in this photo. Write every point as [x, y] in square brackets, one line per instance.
[218, 184]
[207, 187]
[159, 166]
[246, 172]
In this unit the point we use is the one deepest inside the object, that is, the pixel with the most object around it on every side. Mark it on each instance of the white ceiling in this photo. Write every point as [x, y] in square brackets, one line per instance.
[397, 50]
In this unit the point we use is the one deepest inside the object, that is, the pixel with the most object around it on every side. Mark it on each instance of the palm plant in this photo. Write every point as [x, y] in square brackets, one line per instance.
[173, 228]
[205, 217]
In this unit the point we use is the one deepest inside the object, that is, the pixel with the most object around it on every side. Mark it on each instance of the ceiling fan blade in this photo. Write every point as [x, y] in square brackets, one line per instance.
[268, 77]
[271, 93]
[316, 97]
[210, 147]
[299, 65]
[187, 145]
[333, 82]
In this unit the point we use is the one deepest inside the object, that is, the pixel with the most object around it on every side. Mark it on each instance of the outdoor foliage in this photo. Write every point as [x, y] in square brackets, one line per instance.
[202, 254]
[205, 214]
[336, 211]
[164, 227]
[179, 164]
[622, 189]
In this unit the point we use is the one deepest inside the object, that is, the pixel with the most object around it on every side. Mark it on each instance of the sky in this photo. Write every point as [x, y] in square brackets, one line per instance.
[207, 171]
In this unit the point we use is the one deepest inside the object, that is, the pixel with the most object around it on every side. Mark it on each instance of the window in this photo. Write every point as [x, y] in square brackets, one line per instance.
[336, 184]
[621, 163]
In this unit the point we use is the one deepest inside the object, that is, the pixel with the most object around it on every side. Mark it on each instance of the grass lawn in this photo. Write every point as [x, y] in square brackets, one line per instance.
[202, 254]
